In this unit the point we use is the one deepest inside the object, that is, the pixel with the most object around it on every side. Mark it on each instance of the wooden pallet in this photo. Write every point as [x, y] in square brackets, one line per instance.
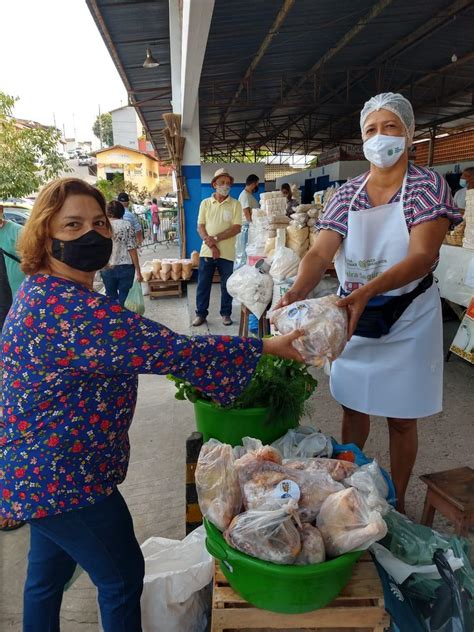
[359, 607]
[157, 288]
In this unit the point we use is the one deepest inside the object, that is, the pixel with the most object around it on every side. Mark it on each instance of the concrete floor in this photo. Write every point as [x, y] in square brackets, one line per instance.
[154, 488]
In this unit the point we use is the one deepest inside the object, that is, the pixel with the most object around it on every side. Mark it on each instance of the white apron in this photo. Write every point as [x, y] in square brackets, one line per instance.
[401, 374]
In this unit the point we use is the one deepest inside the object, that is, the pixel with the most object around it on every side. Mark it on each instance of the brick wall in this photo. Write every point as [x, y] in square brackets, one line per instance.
[455, 148]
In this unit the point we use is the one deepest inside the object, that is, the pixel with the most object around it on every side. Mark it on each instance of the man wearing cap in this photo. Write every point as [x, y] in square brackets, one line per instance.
[128, 216]
[219, 222]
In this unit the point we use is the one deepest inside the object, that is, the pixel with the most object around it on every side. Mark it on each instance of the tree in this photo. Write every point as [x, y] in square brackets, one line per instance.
[107, 132]
[29, 155]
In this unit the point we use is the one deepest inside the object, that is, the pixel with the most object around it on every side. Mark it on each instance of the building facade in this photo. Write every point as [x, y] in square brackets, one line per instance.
[137, 167]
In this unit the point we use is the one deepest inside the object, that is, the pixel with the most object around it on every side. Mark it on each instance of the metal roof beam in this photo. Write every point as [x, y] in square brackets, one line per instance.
[277, 23]
[329, 54]
[438, 21]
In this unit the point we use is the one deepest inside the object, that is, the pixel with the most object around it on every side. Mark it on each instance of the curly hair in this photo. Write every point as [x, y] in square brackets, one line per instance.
[33, 244]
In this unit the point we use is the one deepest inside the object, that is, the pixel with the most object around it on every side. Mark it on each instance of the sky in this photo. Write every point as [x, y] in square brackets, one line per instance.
[54, 59]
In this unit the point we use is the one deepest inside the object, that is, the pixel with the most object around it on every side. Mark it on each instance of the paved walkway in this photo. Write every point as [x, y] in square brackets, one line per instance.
[154, 488]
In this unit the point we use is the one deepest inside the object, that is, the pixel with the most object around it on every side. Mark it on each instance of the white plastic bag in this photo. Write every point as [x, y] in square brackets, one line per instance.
[325, 327]
[303, 442]
[217, 483]
[369, 480]
[348, 524]
[176, 591]
[284, 265]
[252, 288]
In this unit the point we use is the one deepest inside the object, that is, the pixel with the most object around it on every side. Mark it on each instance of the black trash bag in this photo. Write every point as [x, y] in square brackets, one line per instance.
[450, 612]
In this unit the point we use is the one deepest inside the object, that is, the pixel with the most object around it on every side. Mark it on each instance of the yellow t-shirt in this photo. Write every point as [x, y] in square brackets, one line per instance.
[217, 217]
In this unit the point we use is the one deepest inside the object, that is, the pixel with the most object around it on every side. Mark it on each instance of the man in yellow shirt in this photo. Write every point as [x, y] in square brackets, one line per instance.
[219, 222]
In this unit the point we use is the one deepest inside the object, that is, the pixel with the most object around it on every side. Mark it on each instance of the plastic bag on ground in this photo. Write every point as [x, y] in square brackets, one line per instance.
[348, 524]
[177, 591]
[284, 265]
[312, 546]
[369, 480]
[217, 484]
[303, 442]
[135, 302]
[325, 327]
[267, 535]
[251, 288]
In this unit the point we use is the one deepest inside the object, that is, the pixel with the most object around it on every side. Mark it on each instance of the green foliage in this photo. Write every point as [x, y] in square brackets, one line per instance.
[107, 132]
[283, 386]
[237, 155]
[111, 188]
[28, 156]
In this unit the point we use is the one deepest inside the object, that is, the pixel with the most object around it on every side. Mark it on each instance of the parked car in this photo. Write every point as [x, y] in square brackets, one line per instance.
[17, 214]
[85, 161]
[169, 200]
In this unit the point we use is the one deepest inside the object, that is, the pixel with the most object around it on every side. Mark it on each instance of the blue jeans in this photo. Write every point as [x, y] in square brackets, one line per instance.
[207, 266]
[101, 540]
[118, 281]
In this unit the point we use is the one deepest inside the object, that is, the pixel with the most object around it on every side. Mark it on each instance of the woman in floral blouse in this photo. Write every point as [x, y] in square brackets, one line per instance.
[71, 360]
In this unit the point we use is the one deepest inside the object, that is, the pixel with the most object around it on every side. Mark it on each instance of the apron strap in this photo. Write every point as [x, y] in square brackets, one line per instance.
[402, 195]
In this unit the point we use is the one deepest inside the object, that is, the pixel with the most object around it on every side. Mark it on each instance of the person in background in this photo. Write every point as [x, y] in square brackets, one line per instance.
[11, 278]
[129, 216]
[65, 447]
[291, 203]
[387, 227]
[219, 222]
[155, 219]
[123, 265]
[466, 182]
[247, 202]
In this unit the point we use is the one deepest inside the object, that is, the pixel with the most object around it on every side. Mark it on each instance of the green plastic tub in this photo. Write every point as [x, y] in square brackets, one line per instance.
[230, 426]
[279, 587]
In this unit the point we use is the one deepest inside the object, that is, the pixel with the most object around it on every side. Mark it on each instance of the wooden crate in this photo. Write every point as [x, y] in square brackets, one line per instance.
[158, 288]
[360, 607]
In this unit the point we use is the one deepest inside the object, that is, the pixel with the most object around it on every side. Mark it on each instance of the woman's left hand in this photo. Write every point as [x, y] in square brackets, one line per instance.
[139, 277]
[355, 304]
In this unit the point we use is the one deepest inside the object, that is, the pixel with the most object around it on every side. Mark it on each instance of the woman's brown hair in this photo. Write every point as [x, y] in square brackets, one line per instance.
[33, 245]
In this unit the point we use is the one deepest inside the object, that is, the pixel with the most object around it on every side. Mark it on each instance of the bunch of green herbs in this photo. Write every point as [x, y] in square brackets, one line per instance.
[282, 386]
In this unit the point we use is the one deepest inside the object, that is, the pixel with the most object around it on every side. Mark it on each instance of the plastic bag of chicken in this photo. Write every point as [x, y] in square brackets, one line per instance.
[267, 535]
[217, 484]
[369, 480]
[324, 324]
[347, 523]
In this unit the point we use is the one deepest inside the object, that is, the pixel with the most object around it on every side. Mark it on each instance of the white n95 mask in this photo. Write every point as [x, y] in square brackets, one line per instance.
[384, 151]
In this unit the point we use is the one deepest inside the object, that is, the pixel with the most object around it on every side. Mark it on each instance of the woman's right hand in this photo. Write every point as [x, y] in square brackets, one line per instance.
[282, 346]
[290, 297]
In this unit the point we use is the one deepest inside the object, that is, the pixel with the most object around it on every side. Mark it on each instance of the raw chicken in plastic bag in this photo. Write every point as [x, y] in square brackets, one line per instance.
[269, 535]
[337, 469]
[217, 484]
[252, 451]
[312, 546]
[303, 442]
[369, 480]
[285, 264]
[252, 288]
[348, 524]
[268, 484]
[324, 324]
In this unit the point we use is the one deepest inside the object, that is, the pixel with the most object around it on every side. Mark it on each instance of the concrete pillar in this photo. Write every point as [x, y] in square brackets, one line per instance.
[190, 21]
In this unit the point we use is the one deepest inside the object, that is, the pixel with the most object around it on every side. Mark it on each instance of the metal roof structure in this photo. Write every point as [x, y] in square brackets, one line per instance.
[292, 75]
[128, 28]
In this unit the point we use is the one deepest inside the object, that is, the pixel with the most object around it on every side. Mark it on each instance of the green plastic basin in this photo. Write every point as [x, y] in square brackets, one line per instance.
[231, 425]
[280, 587]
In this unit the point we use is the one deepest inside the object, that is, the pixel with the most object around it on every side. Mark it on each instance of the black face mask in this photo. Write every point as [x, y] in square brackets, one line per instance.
[88, 253]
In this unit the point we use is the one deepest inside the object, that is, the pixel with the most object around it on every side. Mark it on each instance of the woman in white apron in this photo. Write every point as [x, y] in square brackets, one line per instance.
[387, 227]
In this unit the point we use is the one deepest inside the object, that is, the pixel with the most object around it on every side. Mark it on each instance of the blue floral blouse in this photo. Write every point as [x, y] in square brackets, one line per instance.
[71, 359]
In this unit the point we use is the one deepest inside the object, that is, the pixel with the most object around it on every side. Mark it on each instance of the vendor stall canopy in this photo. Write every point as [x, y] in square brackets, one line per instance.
[292, 75]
